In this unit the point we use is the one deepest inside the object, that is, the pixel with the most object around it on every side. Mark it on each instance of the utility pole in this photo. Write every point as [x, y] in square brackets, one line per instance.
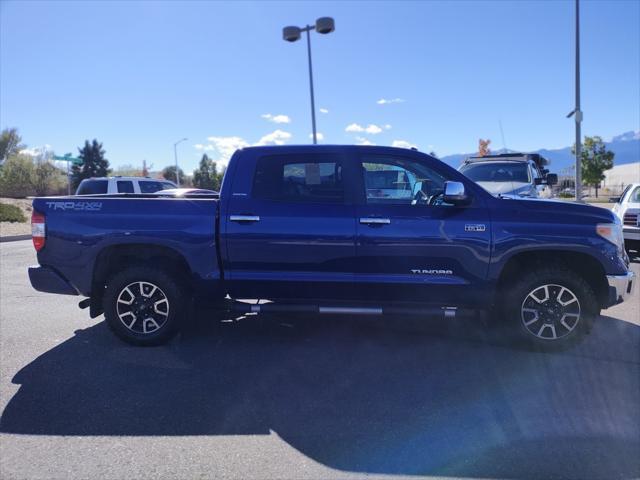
[577, 112]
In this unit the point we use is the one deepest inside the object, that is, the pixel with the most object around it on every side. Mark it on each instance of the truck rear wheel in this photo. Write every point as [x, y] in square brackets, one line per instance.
[550, 307]
[144, 306]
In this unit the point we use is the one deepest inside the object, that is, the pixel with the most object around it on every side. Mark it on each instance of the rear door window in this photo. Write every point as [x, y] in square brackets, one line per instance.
[299, 180]
[93, 187]
[125, 186]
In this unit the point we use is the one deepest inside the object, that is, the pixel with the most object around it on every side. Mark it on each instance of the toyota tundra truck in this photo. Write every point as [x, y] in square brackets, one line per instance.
[355, 230]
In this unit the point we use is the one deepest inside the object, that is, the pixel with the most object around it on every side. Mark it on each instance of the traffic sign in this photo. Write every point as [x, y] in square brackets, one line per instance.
[68, 158]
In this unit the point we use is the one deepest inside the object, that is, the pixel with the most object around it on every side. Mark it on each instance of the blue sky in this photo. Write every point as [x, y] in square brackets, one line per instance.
[140, 75]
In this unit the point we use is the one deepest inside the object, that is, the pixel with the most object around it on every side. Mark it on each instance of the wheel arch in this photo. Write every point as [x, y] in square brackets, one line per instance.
[115, 258]
[583, 264]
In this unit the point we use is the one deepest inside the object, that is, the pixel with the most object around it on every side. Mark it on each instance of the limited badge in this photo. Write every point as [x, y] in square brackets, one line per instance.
[475, 227]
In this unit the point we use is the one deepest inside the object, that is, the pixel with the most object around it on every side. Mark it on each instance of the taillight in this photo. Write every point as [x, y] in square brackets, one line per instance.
[38, 231]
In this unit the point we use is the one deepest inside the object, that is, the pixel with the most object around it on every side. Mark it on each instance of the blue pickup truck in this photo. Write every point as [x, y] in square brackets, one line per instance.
[334, 229]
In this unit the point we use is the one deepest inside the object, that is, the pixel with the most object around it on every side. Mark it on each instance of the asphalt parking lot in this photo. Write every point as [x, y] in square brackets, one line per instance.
[307, 397]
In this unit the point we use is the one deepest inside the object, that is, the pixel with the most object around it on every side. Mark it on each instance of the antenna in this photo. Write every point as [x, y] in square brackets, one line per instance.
[504, 145]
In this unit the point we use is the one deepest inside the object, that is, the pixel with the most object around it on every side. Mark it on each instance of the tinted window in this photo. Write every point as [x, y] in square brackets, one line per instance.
[92, 187]
[296, 180]
[635, 196]
[497, 172]
[125, 186]
[150, 186]
[401, 181]
[167, 186]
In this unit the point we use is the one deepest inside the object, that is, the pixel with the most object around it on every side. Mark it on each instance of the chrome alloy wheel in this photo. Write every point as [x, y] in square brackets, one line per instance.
[142, 307]
[550, 312]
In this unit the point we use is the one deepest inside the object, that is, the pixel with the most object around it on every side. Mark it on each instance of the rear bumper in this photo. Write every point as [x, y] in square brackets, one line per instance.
[45, 279]
[620, 287]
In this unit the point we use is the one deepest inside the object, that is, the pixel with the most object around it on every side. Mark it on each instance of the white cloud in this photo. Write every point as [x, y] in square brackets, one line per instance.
[277, 137]
[357, 128]
[225, 146]
[276, 118]
[385, 101]
[42, 152]
[402, 144]
[324, 110]
[387, 127]
[363, 141]
[319, 136]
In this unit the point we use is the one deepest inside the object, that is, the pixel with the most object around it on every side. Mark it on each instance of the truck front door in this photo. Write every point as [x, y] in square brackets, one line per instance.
[412, 246]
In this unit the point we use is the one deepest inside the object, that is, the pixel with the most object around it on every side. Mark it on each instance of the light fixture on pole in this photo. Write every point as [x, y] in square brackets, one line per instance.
[175, 154]
[323, 25]
[577, 112]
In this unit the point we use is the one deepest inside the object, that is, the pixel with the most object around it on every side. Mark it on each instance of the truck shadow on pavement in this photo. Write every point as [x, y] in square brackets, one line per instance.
[435, 399]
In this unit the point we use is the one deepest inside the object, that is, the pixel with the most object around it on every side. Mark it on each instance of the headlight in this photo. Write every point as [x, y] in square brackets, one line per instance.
[612, 232]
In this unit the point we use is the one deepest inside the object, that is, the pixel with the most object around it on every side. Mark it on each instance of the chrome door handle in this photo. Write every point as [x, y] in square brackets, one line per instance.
[374, 221]
[244, 218]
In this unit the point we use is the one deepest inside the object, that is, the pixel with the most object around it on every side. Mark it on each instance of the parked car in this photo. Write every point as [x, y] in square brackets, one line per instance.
[520, 174]
[101, 185]
[627, 208]
[303, 227]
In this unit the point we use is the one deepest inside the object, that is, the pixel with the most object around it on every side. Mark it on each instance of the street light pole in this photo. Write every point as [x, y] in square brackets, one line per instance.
[175, 154]
[323, 25]
[577, 112]
[313, 105]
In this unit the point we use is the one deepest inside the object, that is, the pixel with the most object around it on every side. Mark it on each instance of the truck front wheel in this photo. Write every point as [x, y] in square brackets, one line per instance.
[144, 306]
[550, 307]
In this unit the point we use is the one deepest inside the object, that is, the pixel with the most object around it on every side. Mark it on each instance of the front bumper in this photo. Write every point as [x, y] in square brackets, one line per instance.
[621, 287]
[631, 233]
[45, 279]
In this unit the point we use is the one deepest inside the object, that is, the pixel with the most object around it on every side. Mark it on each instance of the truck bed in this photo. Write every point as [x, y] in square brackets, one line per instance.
[80, 228]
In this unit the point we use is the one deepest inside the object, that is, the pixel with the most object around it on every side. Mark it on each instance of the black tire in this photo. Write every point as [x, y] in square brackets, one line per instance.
[157, 310]
[550, 308]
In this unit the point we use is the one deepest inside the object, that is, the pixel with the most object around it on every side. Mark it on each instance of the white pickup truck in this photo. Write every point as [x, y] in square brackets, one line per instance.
[627, 208]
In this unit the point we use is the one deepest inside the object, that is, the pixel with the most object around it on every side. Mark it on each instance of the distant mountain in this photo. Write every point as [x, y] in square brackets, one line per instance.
[625, 146]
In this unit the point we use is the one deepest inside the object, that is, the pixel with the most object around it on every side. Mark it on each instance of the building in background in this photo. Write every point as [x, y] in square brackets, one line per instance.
[618, 177]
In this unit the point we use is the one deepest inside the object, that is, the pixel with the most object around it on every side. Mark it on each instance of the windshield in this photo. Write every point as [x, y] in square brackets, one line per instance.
[497, 172]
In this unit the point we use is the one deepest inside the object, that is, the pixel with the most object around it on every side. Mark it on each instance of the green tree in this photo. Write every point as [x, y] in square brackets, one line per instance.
[16, 177]
[206, 176]
[169, 173]
[594, 160]
[10, 143]
[93, 163]
[47, 179]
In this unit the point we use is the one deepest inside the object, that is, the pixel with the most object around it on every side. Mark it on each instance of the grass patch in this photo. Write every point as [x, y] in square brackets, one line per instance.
[11, 213]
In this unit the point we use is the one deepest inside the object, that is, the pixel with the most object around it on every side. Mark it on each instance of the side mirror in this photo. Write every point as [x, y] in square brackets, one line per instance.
[552, 178]
[454, 193]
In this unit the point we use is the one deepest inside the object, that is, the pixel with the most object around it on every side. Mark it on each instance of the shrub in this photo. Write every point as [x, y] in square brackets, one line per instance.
[11, 213]
[21, 177]
[16, 177]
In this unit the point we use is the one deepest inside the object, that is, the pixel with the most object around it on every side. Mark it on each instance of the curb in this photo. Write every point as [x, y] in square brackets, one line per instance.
[14, 238]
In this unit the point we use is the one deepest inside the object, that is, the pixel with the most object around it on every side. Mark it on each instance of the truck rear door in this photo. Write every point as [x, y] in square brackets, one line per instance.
[411, 245]
[289, 229]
